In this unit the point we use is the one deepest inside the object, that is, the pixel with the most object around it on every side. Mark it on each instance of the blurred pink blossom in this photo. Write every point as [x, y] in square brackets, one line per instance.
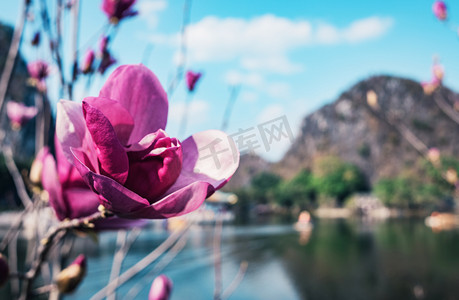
[38, 71]
[116, 10]
[88, 61]
[439, 10]
[191, 79]
[19, 114]
[118, 144]
[438, 72]
[161, 288]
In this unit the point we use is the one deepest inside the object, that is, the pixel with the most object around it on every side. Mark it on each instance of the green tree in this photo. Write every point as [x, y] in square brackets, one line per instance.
[337, 179]
[299, 191]
[264, 187]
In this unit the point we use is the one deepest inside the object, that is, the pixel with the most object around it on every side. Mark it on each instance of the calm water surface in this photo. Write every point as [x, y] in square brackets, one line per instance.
[340, 259]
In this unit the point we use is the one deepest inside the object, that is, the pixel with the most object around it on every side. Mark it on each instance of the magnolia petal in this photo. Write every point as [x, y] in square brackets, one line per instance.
[208, 156]
[138, 90]
[51, 184]
[71, 131]
[114, 196]
[181, 202]
[118, 116]
[80, 202]
[111, 154]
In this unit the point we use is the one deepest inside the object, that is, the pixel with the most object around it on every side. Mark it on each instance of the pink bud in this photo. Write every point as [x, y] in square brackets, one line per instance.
[69, 278]
[88, 62]
[191, 79]
[161, 288]
[439, 10]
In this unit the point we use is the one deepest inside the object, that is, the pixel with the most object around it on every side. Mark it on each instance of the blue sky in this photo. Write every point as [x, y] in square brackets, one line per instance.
[290, 57]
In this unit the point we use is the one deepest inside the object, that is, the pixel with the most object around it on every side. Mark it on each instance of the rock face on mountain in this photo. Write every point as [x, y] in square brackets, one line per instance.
[372, 134]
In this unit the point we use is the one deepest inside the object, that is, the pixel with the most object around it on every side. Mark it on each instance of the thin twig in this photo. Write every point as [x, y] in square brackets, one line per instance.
[234, 92]
[76, 24]
[142, 264]
[183, 50]
[47, 243]
[54, 44]
[14, 229]
[236, 281]
[184, 121]
[16, 175]
[445, 108]
[13, 264]
[218, 256]
[164, 261]
[12, 54]
[39, 122]
[124, 242]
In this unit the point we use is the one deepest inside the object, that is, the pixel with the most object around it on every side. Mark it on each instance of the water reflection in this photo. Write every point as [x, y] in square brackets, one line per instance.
[342, 259]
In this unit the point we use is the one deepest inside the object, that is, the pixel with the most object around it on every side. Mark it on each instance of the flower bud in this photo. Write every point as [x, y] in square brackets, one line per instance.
[4, 270]
[37, 166]
[440, 11]
[161, 288]
[191, 79]
[69, 278]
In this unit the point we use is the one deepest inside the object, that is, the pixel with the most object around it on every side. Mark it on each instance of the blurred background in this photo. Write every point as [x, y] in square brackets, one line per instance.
[346, 115]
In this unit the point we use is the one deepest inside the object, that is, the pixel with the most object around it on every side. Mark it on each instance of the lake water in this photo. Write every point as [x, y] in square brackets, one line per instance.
[340, 259]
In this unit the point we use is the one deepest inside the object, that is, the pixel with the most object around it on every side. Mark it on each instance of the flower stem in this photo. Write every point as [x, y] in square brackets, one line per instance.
[48, 241]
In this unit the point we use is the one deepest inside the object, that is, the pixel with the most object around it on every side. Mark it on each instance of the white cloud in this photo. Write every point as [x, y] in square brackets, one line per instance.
[264, 43]
[278, 89]
[149, 10]
[249, 96]
[197, 111]
[270, 112]
[357, 31]
[234, 77]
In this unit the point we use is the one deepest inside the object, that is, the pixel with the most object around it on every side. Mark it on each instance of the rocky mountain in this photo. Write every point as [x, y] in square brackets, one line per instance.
[249, 166]
[381, 124]
[382, 136]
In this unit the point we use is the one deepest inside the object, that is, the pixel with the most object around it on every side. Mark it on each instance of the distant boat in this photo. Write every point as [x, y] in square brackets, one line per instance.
[304, 222]
[442, 221]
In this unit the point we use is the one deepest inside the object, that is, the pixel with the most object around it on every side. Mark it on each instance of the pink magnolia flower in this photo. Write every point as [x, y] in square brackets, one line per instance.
[439, 10]
[191, 79]
[88, 61]
[69, 195]
[116, 10]
[19, 114]
[161, 288]
[38, 71]
[118, 144]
